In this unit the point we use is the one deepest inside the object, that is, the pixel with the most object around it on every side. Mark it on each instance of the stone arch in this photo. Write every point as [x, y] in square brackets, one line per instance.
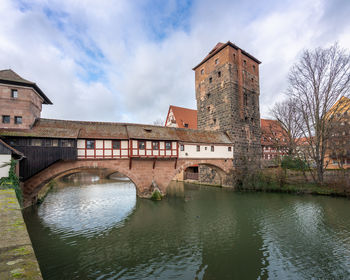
[222, 167]
[33, 185]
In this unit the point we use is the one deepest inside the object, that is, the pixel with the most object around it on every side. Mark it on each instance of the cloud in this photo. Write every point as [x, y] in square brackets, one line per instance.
[129, 60]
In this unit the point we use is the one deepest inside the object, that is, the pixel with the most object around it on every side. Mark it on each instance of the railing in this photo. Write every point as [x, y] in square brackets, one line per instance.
[191, 176]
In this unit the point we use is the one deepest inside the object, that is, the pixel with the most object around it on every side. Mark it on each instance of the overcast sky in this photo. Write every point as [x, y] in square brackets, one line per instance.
[127, 61]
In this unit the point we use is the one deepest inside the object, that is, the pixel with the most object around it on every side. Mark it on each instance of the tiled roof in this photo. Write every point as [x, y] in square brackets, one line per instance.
[220, 46]
[271, 132]
[184, 116]
[103, 130]
[8, 76]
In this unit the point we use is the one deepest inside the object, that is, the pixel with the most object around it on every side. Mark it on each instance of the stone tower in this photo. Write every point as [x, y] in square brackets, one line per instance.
[21, 101]
[227, 93]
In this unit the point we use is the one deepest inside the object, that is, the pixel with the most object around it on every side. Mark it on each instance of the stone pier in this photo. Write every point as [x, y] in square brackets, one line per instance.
[17, 258]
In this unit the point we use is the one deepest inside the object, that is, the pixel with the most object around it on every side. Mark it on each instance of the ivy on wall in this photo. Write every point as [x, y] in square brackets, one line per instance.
[12, 181]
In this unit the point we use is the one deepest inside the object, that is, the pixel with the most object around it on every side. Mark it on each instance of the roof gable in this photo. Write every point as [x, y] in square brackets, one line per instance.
[8, 76]
[183, 116]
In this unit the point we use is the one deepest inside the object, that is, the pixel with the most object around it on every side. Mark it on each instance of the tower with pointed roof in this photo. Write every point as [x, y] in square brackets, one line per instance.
[21, 101]
[227, 93]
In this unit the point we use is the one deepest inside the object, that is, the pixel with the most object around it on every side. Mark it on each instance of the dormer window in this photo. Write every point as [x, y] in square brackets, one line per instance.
[14, 93]
[186, 125]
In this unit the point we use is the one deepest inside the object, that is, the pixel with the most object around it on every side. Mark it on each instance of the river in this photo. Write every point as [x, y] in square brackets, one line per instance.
[103, 231]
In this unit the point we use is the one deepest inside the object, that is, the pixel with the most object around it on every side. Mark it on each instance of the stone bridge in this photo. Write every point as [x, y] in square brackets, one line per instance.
[142, 173]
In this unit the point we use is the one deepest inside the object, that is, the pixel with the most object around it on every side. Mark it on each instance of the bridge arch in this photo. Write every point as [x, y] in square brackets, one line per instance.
[222, 167]
[33, 185]
[143, 173]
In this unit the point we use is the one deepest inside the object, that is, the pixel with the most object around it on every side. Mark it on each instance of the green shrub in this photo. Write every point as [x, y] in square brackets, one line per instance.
[292, 163]
[12, 181]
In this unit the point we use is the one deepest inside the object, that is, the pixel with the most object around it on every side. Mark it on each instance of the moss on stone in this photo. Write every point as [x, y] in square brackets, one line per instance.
[156, 195]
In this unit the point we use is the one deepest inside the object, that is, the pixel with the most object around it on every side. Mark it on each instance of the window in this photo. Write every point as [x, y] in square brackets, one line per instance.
[54, 143]
[219, 74]
[210, 80]
[116, 144]
[208, 95]
[168, 145]
[212, 148]
[36, 142]
[208, 108]
[47, 142]
[234, 57]
[214, 121]
[90, 144]
[182, 147]
[5, 119]
[254, 68]
[14, 93]
[202, 71]
[155, 145]
[141, 145]
[217, 61]
[245, 99]
[229, 149]
[198, 148]
[18, 119]
[69, 143]
[244, 62]
[186, 125]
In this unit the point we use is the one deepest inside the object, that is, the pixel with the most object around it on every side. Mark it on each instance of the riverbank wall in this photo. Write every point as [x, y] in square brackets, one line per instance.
[17, 257]
[336, 182]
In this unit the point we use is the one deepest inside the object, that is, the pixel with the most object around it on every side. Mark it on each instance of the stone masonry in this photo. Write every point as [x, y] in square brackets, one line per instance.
[227, 93]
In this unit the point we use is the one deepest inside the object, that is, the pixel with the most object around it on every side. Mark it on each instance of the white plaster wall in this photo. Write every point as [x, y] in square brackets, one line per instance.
[81, 143]
[124, 144]
[108, 144]
[4, 171]
[220, 151]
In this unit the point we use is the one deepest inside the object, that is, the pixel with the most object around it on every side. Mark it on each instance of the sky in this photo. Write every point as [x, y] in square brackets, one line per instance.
[128, 60]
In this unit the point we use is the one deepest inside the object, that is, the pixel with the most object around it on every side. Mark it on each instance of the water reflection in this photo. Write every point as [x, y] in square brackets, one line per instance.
[195, 233]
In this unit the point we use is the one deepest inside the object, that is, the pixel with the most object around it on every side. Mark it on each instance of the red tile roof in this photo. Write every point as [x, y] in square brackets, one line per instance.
[184, 116]
[271, 132]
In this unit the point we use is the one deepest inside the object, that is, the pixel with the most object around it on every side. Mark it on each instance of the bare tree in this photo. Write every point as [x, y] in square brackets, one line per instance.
[288, 117]
[158, 122]
[316, 82]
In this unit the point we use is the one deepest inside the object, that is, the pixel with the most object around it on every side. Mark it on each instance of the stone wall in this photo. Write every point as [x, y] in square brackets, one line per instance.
[27, 105]
[228, 100]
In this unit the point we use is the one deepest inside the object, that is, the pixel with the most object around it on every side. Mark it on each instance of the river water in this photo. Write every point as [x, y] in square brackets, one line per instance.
[103, 231]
